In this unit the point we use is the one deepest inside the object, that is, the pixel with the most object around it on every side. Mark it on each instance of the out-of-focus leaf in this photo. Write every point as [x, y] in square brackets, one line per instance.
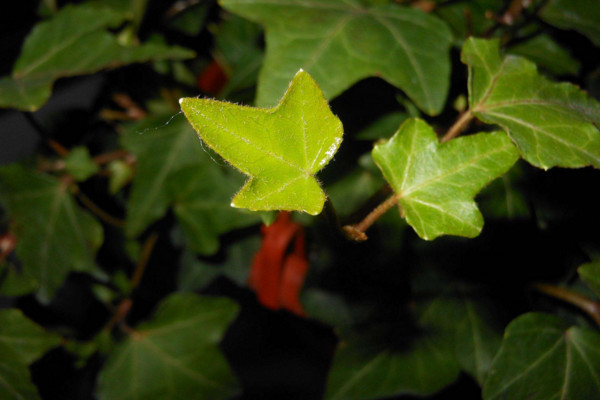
[590, 273]
[24, 338]
[175, 355]
[547, 54]
[79, 164]
[469, 18]
[367, 367]
[120, 175]
[162, 146]
[54, 236]
[73, 42]
[353, 190]
[503, 197]
[280, 149]
[15, 281]
[580, 15]
[201, 195]
[383, 128]
[542, 358]
[552, 124]
[21, 343]
[195, 274]
[191, 20]
[435, 183]
[341, 42]
[237, 50]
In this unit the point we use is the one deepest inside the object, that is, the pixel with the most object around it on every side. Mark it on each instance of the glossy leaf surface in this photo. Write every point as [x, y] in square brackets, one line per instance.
[60, 47]
[341, 42]
[175, 355]
[280, 149]
[553, 124]
[436, 183]
[542, 358]
[54, 236]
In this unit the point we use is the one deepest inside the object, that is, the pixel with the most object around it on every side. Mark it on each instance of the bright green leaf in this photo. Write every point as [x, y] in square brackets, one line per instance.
[280, 148]
[547, 54]
[552, 124]
[369, 368]
[80, 165]
[201, 196]
[341, 42]
[162, 146]
[73, 42]
[175, 355]
[590, 273]
[435, 183]
[542, 358]
[580, 15]
[54, 236]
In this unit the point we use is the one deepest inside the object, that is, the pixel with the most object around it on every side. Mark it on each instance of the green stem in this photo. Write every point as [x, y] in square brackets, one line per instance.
[584, 303]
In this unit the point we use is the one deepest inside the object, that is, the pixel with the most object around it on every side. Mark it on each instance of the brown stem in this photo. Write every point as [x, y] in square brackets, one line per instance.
[461, 123]
[143, 261]
[110, 156]
[106, 217]
[584, 303]
[357, 231]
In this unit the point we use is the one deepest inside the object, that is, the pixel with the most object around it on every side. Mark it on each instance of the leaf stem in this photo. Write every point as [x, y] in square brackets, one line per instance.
[461, 123]
[103, 215]
[584, 303]
[357, 231]
[143, 261]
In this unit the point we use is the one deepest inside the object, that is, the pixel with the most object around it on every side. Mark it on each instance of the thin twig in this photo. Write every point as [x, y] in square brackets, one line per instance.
[110, 156]
[143, 261]
[93, 207]
[357, 231]
[461, 123]
[584, 303]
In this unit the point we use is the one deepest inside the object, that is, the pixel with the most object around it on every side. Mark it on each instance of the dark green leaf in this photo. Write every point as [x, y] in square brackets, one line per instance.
[15, 380]
[162, 146]
[547, 54]
[175, 355]
[341, 42]
[195, 274]
[580, 15]
[280, 149]
[552, 124]
[590, 273]
[61, 47]
[54, 236]
[384, 127]
[366, 367]
[201, 195]
[542, 358]
[469, 18]
[435, 183]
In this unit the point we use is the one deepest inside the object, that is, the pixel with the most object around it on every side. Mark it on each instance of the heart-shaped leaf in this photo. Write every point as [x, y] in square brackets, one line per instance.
[280, 148]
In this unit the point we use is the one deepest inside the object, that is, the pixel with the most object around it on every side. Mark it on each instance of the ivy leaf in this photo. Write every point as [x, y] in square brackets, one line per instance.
[543, 348]
[201, 195]
[60, 47]
[590, 273]
[435, 183]
[581, 15]
[162, 146]
[21, 343]
[54, 236]
[366, 367]
[552, 124]
[341, 42]
[280, 148]
[548, 55]
[175, 355]
[469, 18]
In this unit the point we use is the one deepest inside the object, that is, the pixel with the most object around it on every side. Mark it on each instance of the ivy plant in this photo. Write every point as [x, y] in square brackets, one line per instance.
[300, 199]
